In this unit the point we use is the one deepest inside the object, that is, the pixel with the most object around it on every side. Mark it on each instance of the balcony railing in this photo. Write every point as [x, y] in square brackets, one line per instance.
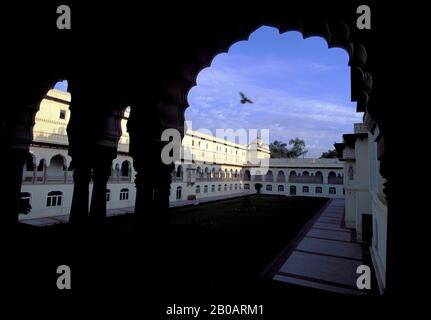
[310, 179]
[40, 177]
[335, 180]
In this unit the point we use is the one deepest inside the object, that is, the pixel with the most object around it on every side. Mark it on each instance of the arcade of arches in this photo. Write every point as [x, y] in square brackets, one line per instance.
[114, 70]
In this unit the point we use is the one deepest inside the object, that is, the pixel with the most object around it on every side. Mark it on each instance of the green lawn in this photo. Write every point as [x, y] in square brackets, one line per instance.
[219, 243]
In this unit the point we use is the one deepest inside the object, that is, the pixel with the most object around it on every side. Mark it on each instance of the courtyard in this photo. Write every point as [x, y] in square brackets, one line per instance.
[223, 246]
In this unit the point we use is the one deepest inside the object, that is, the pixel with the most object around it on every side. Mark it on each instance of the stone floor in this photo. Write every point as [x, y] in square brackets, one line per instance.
[324, 256]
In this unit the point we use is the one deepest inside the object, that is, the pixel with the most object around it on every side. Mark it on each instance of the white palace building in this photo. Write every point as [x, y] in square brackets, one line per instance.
[220, 169]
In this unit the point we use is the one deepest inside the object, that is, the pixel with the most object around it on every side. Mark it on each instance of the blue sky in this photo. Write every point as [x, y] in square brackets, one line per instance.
[300, 88]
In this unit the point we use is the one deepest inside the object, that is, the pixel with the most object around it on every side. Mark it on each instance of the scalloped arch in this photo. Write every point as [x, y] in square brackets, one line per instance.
[337, 35]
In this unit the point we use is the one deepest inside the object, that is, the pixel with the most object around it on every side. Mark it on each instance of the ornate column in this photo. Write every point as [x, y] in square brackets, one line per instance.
[17, 117]
[12, 162]
[80, 199]
[101, 173]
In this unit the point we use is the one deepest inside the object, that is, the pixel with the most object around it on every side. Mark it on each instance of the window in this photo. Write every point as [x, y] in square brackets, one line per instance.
[236, 186]
[41, 165]
[206, 189]
[179, 194]
[230, 187]
[268, 187]
[305, 189]
[63, 114]
[24, 203]
[29, 165]
[225, 187]
[198, 189]
[54, 199]
[246, 186]
[212, 188]
[332, 190]
[281, 188]
[124, 194]
[219, 187]
[318, 189]
[125, 169]
[292, 190]
[108, 195]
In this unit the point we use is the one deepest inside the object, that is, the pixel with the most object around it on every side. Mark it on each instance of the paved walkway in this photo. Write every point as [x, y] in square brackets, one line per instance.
[324, 256]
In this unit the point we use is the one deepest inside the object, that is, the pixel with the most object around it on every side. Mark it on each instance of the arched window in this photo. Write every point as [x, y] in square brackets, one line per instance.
[319, 177]
[280, 188]
[179, 173]
[257, 176]
[292, 174]
[225, 187]
[205, 189]
[305, 174]
[29, 163]
[219, 187]
[108, 195]
[236, 186]
[41, 165]
[124, 194]
[57, 165]
[230, 187]
[318, 189]
[247, 175]
[268, 187]
[179, 193]
[125, 169]
[24, 206]
[198, 189]
[54, 199]
[269, 177]
[305, 189]
[281, 177]
[212, 188]
[198, 173]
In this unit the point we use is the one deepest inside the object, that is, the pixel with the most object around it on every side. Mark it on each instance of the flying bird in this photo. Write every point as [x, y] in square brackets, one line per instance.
[244, 99]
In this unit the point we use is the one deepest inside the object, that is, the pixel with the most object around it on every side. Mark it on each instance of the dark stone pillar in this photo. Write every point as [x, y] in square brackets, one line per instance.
[80, 199]
[101, 173]
[12, 162]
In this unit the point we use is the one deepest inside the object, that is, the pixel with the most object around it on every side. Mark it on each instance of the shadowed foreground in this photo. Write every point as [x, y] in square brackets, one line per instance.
[215, 249]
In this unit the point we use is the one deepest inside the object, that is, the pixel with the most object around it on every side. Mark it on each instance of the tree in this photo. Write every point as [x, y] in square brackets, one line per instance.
[258, 187]
[329, 154]
[278, 149]
[298, 148]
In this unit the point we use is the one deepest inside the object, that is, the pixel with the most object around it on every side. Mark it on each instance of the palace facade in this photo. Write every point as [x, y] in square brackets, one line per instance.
[218, 169]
